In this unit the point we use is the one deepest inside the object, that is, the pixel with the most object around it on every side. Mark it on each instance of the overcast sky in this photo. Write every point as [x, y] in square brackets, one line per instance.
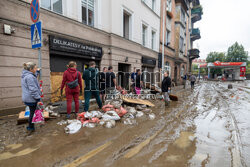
[223, 23]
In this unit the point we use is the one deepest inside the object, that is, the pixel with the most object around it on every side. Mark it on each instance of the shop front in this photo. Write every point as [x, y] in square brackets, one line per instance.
[62, 51]
[148, 70]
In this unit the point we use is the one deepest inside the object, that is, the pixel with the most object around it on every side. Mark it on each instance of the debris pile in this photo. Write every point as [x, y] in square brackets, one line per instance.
[113, 111]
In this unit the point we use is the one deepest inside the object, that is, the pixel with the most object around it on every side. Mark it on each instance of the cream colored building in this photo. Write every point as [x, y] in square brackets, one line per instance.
[124, 34]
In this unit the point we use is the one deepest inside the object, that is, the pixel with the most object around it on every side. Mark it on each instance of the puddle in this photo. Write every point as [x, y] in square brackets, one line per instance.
[184, 140]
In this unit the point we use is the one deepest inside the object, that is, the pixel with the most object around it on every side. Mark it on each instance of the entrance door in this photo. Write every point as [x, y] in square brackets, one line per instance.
[123, 75]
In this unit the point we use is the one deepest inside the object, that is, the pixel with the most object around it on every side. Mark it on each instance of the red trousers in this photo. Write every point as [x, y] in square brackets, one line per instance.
[69, 96]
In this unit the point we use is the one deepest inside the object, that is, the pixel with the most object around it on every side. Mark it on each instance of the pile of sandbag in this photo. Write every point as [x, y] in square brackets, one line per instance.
[111, 112]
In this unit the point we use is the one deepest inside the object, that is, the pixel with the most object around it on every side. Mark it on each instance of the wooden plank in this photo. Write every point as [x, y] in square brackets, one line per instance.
[138, 101]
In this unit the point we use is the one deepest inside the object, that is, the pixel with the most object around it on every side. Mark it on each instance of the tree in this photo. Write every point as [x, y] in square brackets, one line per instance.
[215, 56]
[236, 53]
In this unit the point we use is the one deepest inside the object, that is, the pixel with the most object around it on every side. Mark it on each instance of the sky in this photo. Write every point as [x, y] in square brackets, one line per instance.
[223, 23]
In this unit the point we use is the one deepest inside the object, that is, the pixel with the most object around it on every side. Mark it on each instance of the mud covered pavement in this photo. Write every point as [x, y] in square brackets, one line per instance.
[208, 126]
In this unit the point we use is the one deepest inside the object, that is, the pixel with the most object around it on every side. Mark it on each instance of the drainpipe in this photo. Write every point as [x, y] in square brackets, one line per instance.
[163, 28]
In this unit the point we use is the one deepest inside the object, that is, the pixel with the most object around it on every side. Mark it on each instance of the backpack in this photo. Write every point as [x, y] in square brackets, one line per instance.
[74, 83]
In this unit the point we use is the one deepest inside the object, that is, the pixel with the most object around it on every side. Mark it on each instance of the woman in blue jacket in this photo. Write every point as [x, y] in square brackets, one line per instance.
[31, 93]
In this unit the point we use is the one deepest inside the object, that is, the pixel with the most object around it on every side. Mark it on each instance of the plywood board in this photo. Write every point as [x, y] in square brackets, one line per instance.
[56, 81]
[138, 101]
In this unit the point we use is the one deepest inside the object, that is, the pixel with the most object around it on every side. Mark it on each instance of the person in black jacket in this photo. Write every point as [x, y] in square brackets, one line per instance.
[166, 86]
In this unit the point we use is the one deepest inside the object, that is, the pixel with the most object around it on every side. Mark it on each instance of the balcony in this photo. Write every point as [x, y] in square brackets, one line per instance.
[184, 3]
[194, 53]
[196, 13]
[195, 34]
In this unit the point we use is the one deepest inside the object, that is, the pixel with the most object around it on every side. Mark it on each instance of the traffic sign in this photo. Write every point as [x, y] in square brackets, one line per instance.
[36, 35]
[34, 10]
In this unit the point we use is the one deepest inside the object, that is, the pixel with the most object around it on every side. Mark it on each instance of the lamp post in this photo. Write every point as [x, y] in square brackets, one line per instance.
[163, 30]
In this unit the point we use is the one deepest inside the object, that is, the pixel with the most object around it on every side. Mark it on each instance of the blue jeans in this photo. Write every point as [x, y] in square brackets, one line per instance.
[32, 111]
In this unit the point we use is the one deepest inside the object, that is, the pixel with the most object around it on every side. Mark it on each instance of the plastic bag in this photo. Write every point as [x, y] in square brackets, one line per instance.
[110, 124]
[93, 114]
[131, 110]
[139, 114]
[129, 121]
[107, 107]
[151, 116]
[121, 112]
[38, 117]
[111, 115]
[73, 127]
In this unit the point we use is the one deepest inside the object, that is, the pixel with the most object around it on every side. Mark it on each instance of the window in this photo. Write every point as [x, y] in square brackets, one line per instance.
[54, 5]
[153, 5]
[126, 25]
[169, 5]
[168, 30]
[144, 35]
[181, 44]
[168, 37]
[153, 40]
[168, 68]
[88, 12]
[183, 17]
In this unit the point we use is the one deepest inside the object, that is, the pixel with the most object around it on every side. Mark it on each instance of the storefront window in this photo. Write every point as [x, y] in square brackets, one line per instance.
[88, 12]
[54, 5]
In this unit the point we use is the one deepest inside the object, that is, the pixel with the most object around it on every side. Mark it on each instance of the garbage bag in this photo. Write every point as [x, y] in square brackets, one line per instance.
[111, 115]
[121, 112]
[38, 117]
[110, 124]
[151, 116]
[147, 110]
[129, 121]
[138, 107]
[139, 114]
[73, 127]
[89, 125]
[129, 115]
[93, 114]
[131, 110]
[107, 107]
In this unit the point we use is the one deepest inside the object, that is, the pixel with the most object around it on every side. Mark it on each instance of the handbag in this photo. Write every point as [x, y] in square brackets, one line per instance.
[74, 83]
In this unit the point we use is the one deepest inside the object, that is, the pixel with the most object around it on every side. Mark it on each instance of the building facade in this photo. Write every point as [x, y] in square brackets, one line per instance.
[123, 34]
[176, 38]
[196, 15]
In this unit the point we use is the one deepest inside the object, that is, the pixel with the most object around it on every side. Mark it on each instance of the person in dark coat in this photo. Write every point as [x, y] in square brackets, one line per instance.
[102, 80]
[70, 75]
[31, 93]
[166, 87]
[138, 82]
[91, 80]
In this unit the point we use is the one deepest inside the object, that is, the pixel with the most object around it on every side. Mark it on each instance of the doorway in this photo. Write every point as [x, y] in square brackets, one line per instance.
[123, 75]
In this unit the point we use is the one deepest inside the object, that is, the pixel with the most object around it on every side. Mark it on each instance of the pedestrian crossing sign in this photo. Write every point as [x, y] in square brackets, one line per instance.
[36, 35]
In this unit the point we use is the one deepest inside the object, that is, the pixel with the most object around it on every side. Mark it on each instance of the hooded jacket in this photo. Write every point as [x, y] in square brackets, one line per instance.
[91, 79]
[69, 76]
[30, 87]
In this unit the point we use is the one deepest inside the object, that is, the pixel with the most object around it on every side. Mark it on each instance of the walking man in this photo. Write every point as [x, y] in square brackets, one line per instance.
[166, 87]
[192, 80]
[91, 79]
[184, 81]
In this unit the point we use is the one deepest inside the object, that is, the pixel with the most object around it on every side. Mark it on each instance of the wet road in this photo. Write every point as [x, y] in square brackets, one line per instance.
[208, 126]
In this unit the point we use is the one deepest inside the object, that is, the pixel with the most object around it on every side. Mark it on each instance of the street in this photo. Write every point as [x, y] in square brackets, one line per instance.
[208, 126]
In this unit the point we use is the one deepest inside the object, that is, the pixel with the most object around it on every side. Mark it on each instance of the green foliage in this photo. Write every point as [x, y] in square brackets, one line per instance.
[236, 53]
[215, 56]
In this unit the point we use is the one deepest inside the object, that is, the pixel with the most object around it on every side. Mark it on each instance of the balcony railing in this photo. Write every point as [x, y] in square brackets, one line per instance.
[196, 13]
[194, 53]
[195, 34]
